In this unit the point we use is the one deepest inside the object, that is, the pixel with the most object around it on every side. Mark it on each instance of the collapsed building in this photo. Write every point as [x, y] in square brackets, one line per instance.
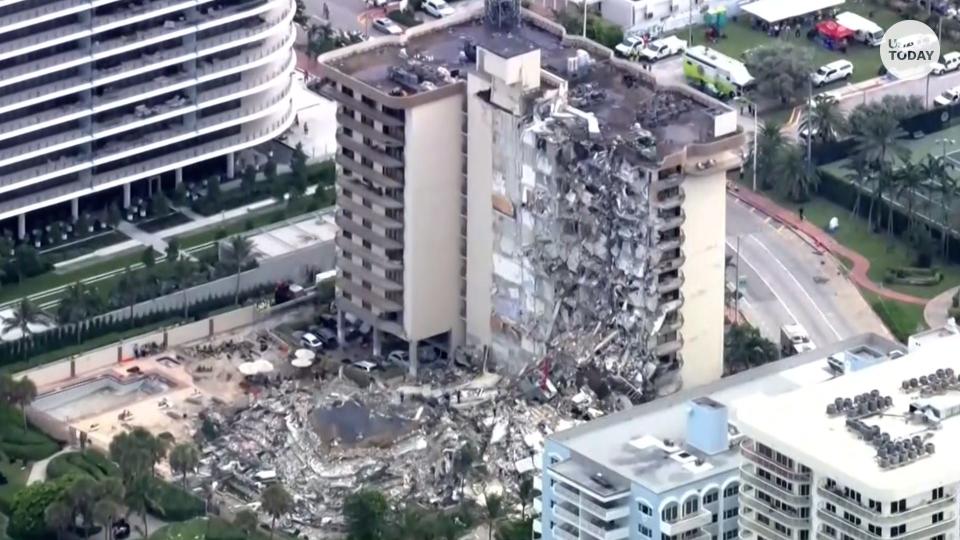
[513, 191]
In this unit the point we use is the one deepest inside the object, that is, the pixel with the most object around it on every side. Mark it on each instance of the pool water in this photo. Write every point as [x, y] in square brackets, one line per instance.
[95, 396]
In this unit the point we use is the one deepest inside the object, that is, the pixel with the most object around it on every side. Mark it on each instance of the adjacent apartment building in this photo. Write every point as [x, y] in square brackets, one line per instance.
[673, 469]
[867, 456]
[98, 95]
[511, 188]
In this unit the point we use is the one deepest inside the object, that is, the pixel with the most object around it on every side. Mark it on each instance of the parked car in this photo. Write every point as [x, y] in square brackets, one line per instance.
[949, 97]
[949, 62]
[663, 48]
[629, 46]
[387, 26]
[366, 365]
[437, 8]
[830, 96]
[832, 72]
[311, 341]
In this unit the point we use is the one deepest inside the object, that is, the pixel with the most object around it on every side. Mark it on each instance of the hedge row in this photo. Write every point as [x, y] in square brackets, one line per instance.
[89, 463]
[170, 503]
[62, 337]
[18, 443]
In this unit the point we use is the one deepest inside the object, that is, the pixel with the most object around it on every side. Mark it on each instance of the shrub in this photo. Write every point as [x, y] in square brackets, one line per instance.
[170, 503]
[89, 463]
[26, 517]
[913, 276]
[403, 17]
[22, 444]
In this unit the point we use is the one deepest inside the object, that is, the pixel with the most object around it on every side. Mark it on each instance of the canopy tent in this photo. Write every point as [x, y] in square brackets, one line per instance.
[303, 358]
[834, 31]
[255, 367]
[774, 11]
[263, 366]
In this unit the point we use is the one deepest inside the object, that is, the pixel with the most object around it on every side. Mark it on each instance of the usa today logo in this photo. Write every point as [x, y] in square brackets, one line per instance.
[909, 50]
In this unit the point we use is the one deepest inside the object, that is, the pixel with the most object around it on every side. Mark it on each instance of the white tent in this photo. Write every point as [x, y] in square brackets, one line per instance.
[303, 358]
[248, 368]
[774, 11]
[263, 366]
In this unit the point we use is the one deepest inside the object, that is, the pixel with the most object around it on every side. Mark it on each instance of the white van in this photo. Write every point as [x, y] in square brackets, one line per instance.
[949, 97]
[832, 72]
[864, 30]
[949, 62]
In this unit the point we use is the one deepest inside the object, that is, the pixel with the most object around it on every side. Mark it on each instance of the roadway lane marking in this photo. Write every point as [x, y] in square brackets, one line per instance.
[797, 282]
[765, 282]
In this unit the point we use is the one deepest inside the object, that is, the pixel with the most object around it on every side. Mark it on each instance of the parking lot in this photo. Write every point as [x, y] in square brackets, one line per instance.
[356, 15]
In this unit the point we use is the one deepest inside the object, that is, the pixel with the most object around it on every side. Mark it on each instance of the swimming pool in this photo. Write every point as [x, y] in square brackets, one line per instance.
[95, 396]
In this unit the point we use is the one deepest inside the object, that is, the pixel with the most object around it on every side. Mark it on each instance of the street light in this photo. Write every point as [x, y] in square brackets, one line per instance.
[756, 128]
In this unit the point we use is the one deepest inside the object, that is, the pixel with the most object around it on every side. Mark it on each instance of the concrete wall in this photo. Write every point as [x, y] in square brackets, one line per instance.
[128, 346]
[431, 258]
[189, 332]
[97, 359]
[664, 14]
[48, 374]
[479, 214]
[703, 287]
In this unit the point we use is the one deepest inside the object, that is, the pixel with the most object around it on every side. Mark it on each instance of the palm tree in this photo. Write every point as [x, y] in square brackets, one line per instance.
[494, 511]
[184, 458]
[238, 255]
[744, 347]
[826, 120]
[21, 394]
[909, 178]
[104, 512]
[947, 188]
[136, 497]
[128, 288]
[246, 521]
[57, 516]
[82, 495]
[24, 314]
[795, 179]
[78, 304]
[275, 502]
[525, 491]
[859, 176]
[770, 142]
[877, 138]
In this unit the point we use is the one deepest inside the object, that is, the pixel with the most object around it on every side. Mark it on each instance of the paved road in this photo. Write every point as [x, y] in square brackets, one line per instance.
[780, 286]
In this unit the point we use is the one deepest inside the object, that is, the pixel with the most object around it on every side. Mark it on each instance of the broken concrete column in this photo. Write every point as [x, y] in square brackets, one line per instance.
[414, 358]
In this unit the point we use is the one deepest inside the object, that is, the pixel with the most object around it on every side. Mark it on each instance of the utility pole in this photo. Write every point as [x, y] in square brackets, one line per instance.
[736, 286]
[584, 18]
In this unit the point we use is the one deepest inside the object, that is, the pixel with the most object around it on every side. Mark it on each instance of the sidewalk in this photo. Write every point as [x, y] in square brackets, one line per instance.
[821, 240]
[935, 312]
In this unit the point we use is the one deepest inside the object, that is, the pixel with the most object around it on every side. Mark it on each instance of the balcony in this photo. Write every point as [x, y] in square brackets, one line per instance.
[850, 529]
[747, 522]
[670, 222]
[672, 305]
[669, 347]
[614, 533]
[41, 40]
[349, 103]
[564, 534]
[747, 449]
[22, 19]
[51, 117]
[563, 514]
[873, 515]
[373, 298]
[368, 173]
[381, 282]
[602, 512]
[367, 255]
[367, 234]
[357, 187]
[370, 152]
[748, 499]
[671, 201]
[667, 183]
[686, 523]
[670, 284]
[347, 121]
[369, 214]
[670, 263]
[749, 474]
[673, 325]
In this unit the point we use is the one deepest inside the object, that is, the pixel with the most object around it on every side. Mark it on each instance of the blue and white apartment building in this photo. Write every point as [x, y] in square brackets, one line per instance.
[669, 469]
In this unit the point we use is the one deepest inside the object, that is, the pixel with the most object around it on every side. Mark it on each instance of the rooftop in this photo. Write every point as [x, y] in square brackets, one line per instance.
[634, 443]
[897, 436]
[438, 54]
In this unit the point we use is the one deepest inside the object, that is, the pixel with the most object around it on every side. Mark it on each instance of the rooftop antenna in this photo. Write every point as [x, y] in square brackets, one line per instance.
[502, 15]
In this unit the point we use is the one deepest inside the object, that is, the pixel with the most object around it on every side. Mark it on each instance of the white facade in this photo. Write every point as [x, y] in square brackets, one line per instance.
[871, 469]
[95, 95]
[658, 16]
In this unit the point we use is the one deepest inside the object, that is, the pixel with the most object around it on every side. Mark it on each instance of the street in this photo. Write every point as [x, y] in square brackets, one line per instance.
[355, 15]
[786, 282]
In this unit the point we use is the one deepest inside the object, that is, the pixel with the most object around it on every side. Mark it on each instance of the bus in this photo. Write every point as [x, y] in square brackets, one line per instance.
[715, 72]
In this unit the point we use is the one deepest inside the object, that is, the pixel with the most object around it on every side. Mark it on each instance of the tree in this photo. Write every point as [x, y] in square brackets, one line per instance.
[113, 214]
[946, 189]
[826, 121]
[877, 138]
[770, 143]
[184, 458]
[744, 348]
[160, 205]
[21, 393]
[137, 498]
[781, 70]
[27, 261]
[149, 257]
[276, 502]
[525, 491]
[795, 179]
[104, 513]
[173, 250]
[238, 255]
[128, 288]
[246, 521]
[77, 304]
[365, 514]
[82, 495]
[248, 180]
[213, 189]
[270, 170]
[180, 193]
[908, 179]
[27, 511]
[859, 175]
[25, 313]
[493, 512]
[57, 517]
[137, 452]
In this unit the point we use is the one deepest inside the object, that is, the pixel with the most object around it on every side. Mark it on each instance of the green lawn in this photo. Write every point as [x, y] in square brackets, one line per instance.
[882, 251]
[254, 220]
[87, 245]
[901, 319]
[16, 479]
[740, 38]
[51, 280]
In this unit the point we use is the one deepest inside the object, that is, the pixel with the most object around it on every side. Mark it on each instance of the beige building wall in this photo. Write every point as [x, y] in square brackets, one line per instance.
[431, 231]
[703, 287]
[479, 214]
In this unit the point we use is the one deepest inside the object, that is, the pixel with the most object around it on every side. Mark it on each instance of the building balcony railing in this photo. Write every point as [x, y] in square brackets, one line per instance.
[670, 284]
[146, 10]
[563, 534]
[604, 513]
[369, 276]
[373, 298]
[373, 154]
[669, 347]
[671, 201]
[347, 121]
[350, 103]
[615, 533]
[748, 451]
[748, 499]
[39, 40]
[926, 507]
[673, 325]
[667, 183]
[749, 475]
[686, 522]
[567, 494]
[24, 18]
[368, 214]
[20, 72]
[380, 261]
[368, 173]
[927, 531]
[367, 233]
[749, 522]
[566, 515]
[672, 222]
[672, 305]
[369, 194]
[41, 146]
[670, 263]
[41, 120]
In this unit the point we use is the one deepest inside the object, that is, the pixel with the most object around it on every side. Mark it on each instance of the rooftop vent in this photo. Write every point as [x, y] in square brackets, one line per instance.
[707, 426]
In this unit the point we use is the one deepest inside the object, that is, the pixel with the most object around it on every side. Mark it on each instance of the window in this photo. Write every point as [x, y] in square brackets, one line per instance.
[732, 490]
[804, 535]
[645, 509]
[851, 518]
[714, 518]
[898, 506]
[645, 532]
[710, 497]
[829, 531]
[939, 537]
[729, 535]
[691, 505]
[876, 506]
[938, 517]
[831, 508]
[670, 512]
[898, 530]
[875, 530]
[938, 493]
[730, 512]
